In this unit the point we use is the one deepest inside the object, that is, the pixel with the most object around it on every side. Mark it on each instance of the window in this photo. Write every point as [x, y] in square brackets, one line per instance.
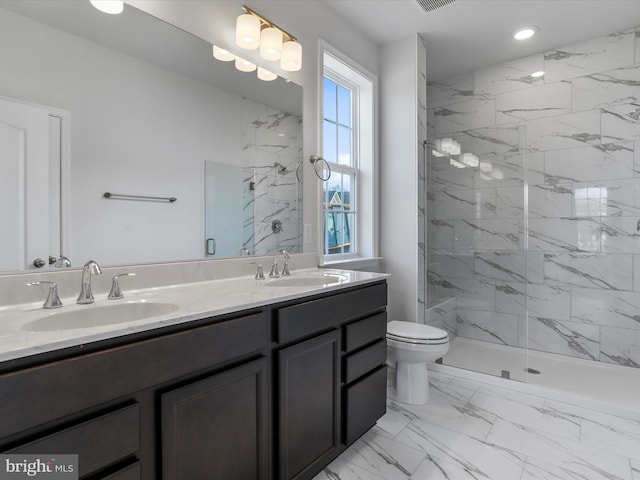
[348, 200]
[338, 199]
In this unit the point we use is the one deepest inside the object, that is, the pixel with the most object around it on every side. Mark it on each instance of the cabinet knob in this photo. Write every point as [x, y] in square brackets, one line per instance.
[39, 263]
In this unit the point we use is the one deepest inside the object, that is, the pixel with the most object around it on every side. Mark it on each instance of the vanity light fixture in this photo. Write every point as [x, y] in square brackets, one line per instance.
[537, 74]
[222, 54]
[524, 33]
[245, 65]
[254, 31]
[266, 75]
[112, 7]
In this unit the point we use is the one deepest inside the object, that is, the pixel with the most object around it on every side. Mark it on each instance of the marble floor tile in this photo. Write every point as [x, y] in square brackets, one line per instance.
[635, 469]
[527, 416]
[388, 458]
[459, 452]
[340, 469]
[593, 463]
[536, 469]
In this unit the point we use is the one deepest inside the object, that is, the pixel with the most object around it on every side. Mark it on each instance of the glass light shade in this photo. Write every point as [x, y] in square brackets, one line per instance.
[112, 7]
[446, 145]
[222, 54]
[470, 159]
[291, 60]
[266, 75]
[271, 44]
[245, 65]
[538, 74]
[248, 31]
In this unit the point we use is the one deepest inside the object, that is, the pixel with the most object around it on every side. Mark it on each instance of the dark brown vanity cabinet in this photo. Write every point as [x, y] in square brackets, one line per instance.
[331, 382]
[275, 392]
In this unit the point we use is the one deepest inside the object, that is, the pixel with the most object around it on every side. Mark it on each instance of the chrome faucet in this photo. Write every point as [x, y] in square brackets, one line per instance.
[273, 273]
[86, 296]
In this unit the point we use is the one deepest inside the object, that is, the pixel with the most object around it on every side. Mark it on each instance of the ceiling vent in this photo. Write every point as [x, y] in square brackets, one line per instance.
[431, 5]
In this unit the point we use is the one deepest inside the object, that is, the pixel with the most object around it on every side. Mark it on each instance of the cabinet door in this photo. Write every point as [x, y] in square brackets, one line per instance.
[218, 427]
[309, 408]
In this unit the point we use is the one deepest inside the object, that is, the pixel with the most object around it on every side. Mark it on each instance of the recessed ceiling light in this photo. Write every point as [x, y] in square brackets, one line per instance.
[524, 33]
[537, 74]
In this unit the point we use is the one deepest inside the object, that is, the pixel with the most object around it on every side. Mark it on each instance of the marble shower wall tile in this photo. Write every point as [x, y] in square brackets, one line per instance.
[620, 346]
[487, 234]
[564, 131]
[469, 293]
[448, 91]
[508, 266]
[606, 307]
[597, 55]
[487, 326]
[608, 161]
[453, 264]
[548, 301]
[549, 201]
[607, 198]
[470, 115]
[463, 204]
[621, 122]
[606, 88]
[565, 338]
[564, 234]
[604, 271]
[489, 142]
[440, 234]
[535, 102]
[444, 176]
[509, 76]
[620, 235]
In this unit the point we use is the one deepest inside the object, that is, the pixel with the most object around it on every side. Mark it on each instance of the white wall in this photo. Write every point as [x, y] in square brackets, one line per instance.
[398, 175]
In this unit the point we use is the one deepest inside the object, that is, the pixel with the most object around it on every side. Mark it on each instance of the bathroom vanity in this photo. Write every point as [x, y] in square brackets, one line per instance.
[271, 389]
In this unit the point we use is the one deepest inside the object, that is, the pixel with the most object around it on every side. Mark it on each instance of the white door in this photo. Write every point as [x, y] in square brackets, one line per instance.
[24, 185]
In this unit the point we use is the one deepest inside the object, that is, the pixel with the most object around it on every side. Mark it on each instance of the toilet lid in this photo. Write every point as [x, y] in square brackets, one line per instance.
[410, 331]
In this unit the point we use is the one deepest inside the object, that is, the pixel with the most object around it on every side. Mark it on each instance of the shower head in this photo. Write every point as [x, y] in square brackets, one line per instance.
[281, 168]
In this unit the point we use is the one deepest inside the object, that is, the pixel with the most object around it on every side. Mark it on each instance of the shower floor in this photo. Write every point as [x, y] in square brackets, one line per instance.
[597, 381]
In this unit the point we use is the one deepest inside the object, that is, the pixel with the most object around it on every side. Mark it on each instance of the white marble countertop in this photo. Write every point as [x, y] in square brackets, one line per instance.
[191, 301]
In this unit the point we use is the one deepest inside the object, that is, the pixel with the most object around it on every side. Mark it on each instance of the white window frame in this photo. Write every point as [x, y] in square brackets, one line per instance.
[348, 73]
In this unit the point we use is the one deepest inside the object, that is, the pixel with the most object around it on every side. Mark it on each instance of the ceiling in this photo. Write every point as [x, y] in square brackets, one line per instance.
[468, 34]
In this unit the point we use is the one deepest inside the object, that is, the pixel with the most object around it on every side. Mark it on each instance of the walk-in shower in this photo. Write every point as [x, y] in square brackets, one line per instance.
[533, 238]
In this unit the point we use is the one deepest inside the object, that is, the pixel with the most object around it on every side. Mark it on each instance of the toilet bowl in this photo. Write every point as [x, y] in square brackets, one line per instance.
[411, 346]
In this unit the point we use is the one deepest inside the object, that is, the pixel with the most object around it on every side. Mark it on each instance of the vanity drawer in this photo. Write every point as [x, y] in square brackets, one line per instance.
[310, 317]
[98, 442]
[365, 402]
[359, 363]
[365, 331]
[37, 395]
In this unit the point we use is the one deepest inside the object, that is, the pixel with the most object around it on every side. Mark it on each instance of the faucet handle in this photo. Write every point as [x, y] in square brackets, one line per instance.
[53, 300]
[273, 273]
[285, 267]
[116, 292]
[259, 272]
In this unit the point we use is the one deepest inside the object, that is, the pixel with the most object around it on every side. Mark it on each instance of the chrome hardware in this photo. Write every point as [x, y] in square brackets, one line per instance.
[210, 246]
[122, 196]
[276, 226]
[39, 263]
[62, 262]
[86, 296]
[116, 292]
[52, 259]
[244, 251]
[53, 300]
[273, 273]
[259, 272]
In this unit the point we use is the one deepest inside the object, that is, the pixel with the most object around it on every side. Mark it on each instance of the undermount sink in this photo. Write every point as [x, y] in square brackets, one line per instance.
[99, 316]
[306, 281]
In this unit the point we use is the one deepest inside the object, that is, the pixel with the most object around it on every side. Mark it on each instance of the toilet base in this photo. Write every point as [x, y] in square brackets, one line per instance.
[412, 383]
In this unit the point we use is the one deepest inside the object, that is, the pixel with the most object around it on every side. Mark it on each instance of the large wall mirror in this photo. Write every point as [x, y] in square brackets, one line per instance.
[128, 104]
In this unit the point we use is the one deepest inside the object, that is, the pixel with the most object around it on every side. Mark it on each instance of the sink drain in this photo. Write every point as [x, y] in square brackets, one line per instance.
[532, 370]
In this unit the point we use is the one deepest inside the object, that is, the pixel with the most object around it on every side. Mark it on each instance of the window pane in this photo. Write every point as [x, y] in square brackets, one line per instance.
[344, 146]
[329, 147]
[348, 224]
[344, 106]
[329, 108]
[346, 191]
[334, 185]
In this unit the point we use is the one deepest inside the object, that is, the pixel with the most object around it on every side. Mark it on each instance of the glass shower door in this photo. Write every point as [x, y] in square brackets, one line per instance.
[477, 263]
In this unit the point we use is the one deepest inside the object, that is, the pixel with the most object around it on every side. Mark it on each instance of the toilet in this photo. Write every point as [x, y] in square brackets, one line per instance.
[411, 346]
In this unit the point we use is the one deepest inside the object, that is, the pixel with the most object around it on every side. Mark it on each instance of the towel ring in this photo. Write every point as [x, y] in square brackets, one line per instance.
[315, 161]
